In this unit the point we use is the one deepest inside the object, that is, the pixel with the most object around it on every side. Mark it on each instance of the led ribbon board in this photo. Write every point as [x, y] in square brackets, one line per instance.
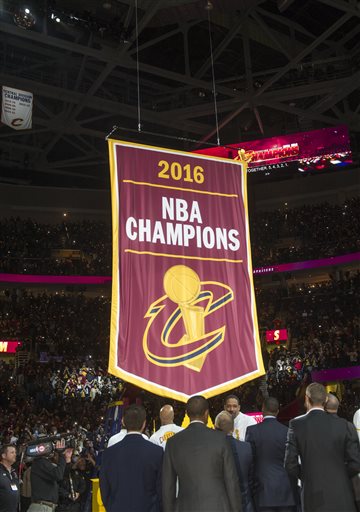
[183, 314]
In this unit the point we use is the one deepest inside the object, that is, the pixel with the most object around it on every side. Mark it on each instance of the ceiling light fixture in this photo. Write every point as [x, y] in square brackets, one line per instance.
[24, 19]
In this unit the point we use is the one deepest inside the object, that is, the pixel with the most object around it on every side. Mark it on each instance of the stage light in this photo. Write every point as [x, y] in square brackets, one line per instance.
[54, 17]
[24, 19]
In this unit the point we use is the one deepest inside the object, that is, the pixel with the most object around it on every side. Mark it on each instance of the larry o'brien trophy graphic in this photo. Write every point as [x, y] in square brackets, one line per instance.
[183, 287]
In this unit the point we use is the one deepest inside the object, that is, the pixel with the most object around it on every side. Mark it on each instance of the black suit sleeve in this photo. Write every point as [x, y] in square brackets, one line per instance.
[104, 481]
[169, 477]
[292, 454]
[231, 479]
[251, 475]
[249, 437]
[159, 481]
[352, 450]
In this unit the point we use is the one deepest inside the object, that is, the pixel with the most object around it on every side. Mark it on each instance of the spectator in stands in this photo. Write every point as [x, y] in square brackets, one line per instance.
[84, 247]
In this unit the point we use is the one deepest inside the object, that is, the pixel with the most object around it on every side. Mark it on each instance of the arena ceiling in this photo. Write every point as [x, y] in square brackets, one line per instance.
[279, 65]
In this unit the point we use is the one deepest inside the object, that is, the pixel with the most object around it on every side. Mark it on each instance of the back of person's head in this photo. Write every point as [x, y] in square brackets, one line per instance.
[332, 404]
[270, 406]
[197, 408]
[134, 418]
[316, 394]
[166, 414]
[224, 421]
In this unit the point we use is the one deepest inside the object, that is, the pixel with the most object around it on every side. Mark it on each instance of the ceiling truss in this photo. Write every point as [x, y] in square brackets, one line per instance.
[271, 70]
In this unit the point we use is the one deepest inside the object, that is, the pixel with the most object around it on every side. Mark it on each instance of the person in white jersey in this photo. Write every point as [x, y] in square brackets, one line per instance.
[167, 429]
[241, 421]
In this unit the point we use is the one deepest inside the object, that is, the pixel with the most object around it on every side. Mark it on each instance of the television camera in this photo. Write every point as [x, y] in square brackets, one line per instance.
[46, 446]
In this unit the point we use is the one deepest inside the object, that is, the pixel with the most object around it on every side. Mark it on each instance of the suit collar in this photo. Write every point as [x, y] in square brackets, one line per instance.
[197, 424]
[315, 410]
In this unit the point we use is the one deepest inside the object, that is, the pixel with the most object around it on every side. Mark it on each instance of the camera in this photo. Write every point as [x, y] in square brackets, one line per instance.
[46, 446]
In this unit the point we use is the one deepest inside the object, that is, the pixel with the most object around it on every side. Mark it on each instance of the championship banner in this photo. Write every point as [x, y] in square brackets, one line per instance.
[16, 109]
[183, 313]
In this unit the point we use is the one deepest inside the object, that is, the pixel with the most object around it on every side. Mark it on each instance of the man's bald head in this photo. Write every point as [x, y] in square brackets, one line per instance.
[332, 404]
[224, 421]
[166, 415]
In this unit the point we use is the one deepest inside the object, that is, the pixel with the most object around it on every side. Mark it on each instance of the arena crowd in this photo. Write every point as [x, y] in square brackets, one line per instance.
[278, 236]
[62, 384]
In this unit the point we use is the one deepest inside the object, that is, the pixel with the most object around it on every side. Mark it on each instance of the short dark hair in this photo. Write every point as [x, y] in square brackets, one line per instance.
[232, 397]
[271, 405]
[134, 417]
[197, 406]
[316, 394]
[4, 449]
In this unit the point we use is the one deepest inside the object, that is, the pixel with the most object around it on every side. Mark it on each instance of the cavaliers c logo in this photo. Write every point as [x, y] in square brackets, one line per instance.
[183, 311]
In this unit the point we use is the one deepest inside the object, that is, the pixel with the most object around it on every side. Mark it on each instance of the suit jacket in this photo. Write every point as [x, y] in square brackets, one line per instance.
[245, 469]
[330, 455]
[130, 476]
[202, 460]
[272, 486]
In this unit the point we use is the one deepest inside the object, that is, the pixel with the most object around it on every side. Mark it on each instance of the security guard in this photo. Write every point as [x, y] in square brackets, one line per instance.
[9, 483]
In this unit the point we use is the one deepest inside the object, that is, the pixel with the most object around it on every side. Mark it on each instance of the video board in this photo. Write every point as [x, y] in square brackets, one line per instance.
[303, 152]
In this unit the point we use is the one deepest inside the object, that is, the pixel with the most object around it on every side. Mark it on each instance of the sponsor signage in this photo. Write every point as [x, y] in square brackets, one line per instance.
[9, 347]
[276, 335]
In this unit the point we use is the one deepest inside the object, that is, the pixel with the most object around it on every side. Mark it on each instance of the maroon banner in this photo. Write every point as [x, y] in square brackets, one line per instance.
[183, 318]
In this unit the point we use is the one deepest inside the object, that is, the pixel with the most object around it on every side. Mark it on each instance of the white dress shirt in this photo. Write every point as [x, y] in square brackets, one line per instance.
[120, 436]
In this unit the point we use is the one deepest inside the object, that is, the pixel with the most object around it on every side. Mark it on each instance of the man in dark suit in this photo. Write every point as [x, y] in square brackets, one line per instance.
[201, 460]
[130, 476]
[273, 491]
[331, 407]
[329, 455]
[224, 421]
